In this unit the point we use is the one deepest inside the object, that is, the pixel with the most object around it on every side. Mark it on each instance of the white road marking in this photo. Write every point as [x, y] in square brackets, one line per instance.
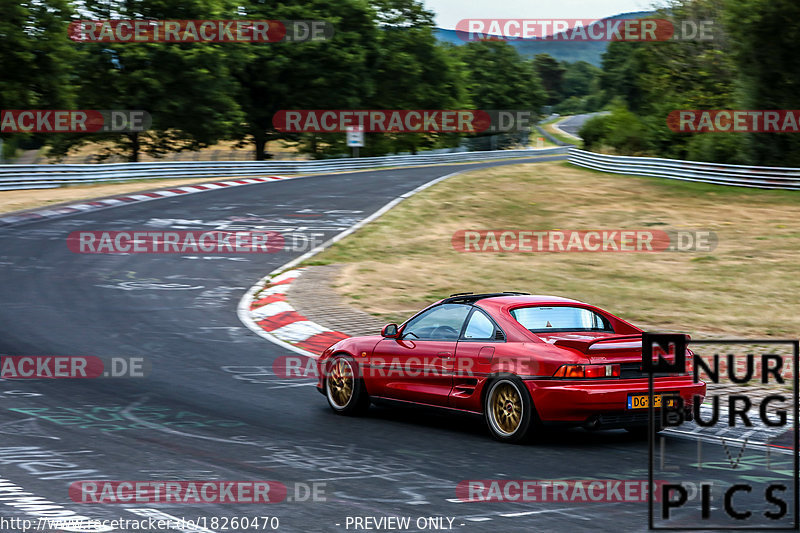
[271, 310]
[299, 331]
[278, 289]
[286, 275]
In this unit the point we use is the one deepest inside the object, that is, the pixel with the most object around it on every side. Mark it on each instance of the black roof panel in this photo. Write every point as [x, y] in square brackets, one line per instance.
[468, 297]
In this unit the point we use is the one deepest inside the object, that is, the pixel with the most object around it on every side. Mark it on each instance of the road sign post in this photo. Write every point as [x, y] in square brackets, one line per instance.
[355, 139]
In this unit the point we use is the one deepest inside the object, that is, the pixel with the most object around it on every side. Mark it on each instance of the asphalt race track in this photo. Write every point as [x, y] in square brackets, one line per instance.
[573, 124]
[211, 409]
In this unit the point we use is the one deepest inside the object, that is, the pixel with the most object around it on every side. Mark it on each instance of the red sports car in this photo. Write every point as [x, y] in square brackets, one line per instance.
[521, 361]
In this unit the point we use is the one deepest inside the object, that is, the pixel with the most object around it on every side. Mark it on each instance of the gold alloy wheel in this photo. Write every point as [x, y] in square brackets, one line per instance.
[506, 406]
[340, 382]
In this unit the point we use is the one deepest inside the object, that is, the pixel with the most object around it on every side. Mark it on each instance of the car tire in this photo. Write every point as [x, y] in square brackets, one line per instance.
[508, 409]
[344, 387]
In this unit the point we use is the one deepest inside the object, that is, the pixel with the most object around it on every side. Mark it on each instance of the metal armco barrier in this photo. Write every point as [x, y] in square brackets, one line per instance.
[736, 175]
[49, 176]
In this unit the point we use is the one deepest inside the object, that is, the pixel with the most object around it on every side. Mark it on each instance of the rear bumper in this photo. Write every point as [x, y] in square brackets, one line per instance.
[583, 401]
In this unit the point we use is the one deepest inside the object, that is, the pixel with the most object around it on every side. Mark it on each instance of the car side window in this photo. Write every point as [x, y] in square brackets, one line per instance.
[443, 322]
[479, 327]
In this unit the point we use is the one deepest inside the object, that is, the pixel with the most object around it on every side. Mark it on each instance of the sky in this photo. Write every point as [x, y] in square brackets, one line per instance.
[449, 12]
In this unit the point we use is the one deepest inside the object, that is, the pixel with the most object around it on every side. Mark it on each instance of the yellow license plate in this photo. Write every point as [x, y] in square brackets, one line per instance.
[642, 401]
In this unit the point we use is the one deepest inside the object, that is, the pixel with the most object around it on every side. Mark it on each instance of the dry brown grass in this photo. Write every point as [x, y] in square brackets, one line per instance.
[748, 286]
[222, 150]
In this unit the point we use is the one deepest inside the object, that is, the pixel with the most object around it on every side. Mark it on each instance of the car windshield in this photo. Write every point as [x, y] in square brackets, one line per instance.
[560, 318]
[443, 322]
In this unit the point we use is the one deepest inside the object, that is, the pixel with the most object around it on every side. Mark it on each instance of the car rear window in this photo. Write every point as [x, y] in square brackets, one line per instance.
[541, 319]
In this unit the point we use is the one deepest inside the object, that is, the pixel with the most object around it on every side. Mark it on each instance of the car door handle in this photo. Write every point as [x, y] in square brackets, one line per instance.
[445, 355]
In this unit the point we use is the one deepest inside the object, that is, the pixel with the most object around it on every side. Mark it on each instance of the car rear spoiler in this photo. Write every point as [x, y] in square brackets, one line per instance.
[584, 345]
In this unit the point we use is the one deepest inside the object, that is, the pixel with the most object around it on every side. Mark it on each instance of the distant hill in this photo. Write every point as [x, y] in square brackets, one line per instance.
[590, 51]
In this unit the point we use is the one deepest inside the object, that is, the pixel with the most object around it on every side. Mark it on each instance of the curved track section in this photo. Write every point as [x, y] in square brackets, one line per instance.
[212, 409]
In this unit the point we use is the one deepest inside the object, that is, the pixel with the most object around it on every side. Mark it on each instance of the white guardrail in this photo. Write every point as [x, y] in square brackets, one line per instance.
[48, 176]
[736, 175]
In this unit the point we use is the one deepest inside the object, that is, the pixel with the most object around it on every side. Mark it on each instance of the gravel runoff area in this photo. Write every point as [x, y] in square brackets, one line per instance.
[313, 296]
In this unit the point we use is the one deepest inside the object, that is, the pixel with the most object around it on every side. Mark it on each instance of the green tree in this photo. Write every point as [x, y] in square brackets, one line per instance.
[765, 43]
[412, 70]
[621, 129]
[580, 79]
[582, 93]
[551, 72]
[36, 60]
[383, 55]
[497, 77]
[656, 78]
[624, 65]
[323, 74]
[186, 88]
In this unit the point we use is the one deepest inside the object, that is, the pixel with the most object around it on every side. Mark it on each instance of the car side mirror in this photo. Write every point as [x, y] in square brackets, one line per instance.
[389, 331]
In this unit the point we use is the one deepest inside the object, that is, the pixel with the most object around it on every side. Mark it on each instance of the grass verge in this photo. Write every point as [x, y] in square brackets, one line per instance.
[747, 286]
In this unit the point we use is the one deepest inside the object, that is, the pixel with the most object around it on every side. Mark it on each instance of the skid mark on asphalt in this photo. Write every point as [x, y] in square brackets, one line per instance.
[27, 427]
[569, 512]
[265, 376]
[235, 334]
[149, 285]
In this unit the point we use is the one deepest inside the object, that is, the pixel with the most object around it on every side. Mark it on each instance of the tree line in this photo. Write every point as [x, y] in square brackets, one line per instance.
[751, 63]
[383, 55]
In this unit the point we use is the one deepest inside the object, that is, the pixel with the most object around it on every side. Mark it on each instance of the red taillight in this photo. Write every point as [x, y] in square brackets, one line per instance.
[588, 371]
[595, 371]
